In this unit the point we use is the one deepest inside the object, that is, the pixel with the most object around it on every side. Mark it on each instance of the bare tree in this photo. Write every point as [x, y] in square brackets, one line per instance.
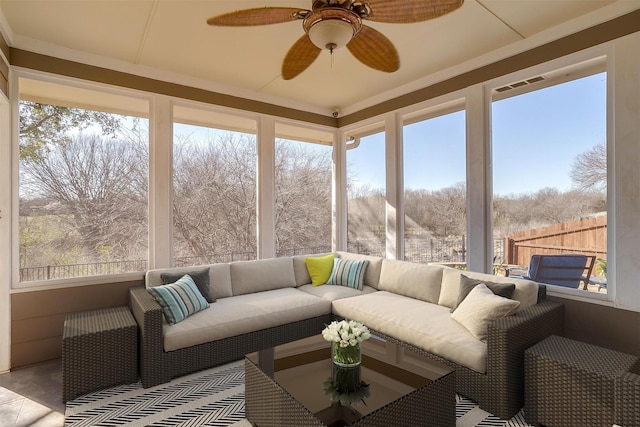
[91, 187]
[214, 209]
[439, 213]
[215, 197]
[303, 197]
[589, 169]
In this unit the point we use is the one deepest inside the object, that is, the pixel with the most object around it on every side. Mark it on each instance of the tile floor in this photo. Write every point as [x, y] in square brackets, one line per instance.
[32, 396]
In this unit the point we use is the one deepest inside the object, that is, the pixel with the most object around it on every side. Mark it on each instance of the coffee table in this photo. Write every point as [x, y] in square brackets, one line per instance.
[297, 390]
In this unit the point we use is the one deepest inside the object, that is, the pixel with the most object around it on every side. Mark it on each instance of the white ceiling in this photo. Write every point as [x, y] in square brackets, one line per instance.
[169, 39]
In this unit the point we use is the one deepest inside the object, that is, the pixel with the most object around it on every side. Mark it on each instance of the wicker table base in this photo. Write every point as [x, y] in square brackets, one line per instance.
[99, 350]
[571, 383]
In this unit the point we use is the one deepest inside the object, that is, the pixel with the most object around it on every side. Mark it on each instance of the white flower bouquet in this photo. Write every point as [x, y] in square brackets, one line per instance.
[346, 336]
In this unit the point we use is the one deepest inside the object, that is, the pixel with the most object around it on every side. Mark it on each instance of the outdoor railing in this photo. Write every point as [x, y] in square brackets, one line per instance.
[51, 272]
[450, 250]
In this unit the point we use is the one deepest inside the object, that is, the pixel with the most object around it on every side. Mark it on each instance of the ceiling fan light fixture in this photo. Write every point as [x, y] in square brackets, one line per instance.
[332, 28]
[331, 34]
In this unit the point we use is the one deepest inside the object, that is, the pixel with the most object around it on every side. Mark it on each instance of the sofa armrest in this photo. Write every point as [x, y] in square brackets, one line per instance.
[514, 334]
[507, 340]
[149, 316]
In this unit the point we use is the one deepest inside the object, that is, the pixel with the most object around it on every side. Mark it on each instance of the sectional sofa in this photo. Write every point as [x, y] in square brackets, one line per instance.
[262, 303]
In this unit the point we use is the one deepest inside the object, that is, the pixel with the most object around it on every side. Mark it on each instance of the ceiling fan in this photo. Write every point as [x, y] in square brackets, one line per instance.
[332, 24]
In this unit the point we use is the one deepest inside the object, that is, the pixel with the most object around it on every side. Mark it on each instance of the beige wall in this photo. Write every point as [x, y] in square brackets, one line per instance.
[37, 317]
[600, 325]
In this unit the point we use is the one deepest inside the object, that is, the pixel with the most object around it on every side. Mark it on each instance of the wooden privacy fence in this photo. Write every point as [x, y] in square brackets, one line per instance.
[586, 236]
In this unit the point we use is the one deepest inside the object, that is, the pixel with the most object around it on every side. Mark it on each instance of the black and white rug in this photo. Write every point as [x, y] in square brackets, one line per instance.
[214, 397]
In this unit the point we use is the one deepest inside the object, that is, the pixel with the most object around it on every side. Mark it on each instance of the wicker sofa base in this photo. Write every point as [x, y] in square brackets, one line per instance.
[500, 391]
[158, 366]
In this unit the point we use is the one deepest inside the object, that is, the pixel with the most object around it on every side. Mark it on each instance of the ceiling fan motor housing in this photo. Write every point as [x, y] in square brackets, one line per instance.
[332, 27]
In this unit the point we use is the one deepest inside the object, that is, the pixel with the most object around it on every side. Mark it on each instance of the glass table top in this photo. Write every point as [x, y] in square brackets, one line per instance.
[340, 396]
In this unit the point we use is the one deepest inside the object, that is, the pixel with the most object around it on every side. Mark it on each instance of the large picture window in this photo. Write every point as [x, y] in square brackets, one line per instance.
[214, 199]
[83, 186]
[435, 190]
[550, 173]
[366, 199]
[303, 197]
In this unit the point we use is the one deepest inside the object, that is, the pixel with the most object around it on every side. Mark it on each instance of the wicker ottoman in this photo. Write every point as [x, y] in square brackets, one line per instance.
[571, 383]
[99, 350]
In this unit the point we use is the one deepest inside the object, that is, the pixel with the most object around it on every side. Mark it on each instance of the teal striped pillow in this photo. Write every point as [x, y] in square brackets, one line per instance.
[179, 300]
[348, 273]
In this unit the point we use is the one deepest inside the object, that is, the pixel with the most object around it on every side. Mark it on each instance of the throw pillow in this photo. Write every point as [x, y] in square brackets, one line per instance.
[319, 268]
[467, 284]
[348, 272]
[480, 308]
[200, 278]
[179, 300]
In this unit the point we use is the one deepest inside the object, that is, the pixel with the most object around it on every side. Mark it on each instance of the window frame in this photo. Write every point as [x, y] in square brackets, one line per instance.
[18, 74]
[567, 68]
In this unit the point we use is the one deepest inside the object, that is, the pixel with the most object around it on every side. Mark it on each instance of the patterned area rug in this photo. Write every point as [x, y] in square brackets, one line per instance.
[214, 397]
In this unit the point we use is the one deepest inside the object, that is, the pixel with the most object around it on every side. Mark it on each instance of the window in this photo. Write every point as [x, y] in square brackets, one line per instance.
[83, 183]
[214, 200]
[303, 197]
[434, 190]
[366, 195]
[550, 171]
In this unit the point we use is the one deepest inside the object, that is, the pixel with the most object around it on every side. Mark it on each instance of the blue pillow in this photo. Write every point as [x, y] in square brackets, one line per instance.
[179, 300]
[348, 272]
[200, 278]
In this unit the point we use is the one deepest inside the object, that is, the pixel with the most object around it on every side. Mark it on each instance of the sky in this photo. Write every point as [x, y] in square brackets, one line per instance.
[536, 138]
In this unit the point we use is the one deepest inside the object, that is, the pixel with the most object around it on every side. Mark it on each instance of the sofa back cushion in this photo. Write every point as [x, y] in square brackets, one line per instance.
[526, 291]
[372, 273]
[262, 275]
[219, 278]
[420, 281]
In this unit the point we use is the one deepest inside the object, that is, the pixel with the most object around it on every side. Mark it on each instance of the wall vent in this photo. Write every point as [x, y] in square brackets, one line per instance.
[520, 84]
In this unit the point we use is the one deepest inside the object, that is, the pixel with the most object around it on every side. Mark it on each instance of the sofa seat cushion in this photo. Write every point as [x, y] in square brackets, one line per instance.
[242, 314]
[421, 324]
[334, 292]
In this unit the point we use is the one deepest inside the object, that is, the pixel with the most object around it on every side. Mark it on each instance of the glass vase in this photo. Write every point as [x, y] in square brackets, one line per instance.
[346, 357]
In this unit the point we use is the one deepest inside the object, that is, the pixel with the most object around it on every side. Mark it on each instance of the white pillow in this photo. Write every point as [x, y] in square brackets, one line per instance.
[480, 308]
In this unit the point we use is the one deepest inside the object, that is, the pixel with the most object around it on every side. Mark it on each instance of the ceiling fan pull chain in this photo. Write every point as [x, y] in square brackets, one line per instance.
[331, 47]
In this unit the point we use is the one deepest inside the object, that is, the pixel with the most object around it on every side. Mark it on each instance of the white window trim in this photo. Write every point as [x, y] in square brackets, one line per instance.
[16, 74]
[603, 53]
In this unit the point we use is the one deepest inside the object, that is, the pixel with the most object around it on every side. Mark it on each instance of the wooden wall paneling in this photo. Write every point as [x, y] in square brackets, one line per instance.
[37, 317]
[601, 325]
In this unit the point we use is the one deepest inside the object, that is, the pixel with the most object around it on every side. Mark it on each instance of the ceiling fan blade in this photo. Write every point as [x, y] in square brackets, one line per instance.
[257, 16]
[299, 57]
[407, 11]
[374, 50]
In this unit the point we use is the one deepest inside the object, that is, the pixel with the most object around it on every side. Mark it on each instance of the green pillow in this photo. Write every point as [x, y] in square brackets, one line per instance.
[319, 268]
